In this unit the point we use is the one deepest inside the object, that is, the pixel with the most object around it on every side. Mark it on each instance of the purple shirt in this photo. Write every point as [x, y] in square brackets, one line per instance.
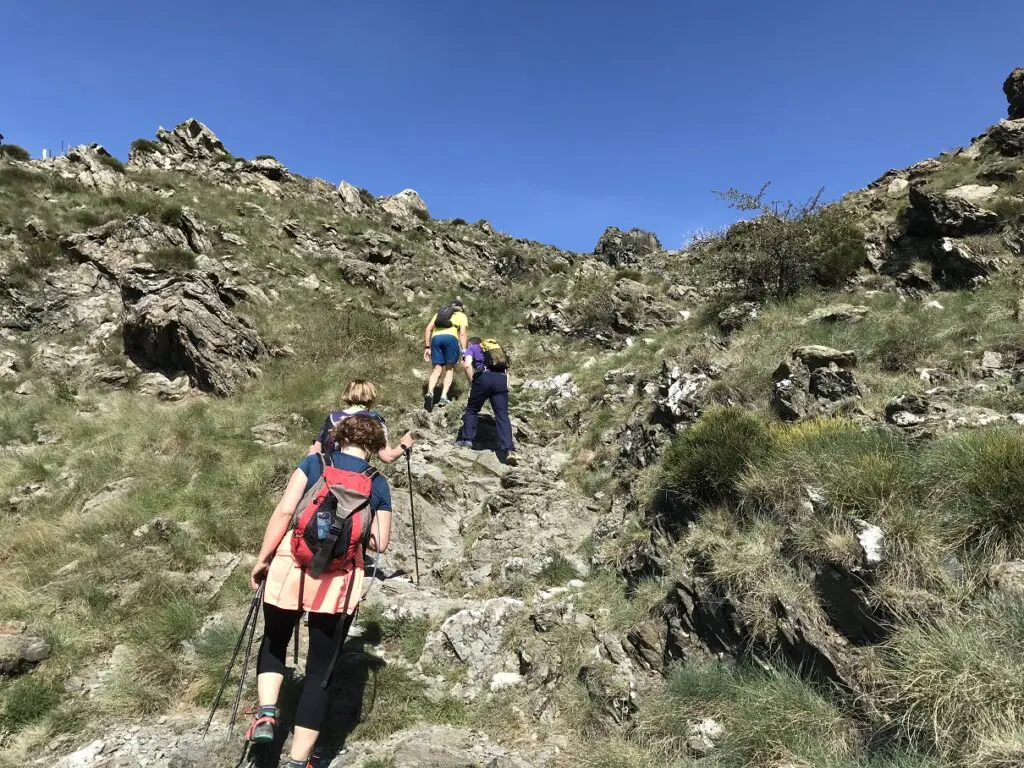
[474, 351]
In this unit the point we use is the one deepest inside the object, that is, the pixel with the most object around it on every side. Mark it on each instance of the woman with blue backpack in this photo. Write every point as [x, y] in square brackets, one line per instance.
[334, 508]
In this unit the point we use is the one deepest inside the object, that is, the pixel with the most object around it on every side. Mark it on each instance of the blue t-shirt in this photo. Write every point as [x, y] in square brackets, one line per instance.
[380, 491]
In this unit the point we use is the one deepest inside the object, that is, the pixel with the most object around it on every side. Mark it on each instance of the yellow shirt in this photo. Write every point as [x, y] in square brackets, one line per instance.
[459, 321]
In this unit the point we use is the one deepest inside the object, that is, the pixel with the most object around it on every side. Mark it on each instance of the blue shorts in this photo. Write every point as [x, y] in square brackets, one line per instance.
[445, 349]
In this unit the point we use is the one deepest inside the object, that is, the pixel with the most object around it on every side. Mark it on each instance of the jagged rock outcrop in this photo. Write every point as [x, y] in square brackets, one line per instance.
[406, 203]
[816, 382]
[189, 143]
[955, 265]
[938, 215]
[620, 249]
[676, 398]
[1013, 87]
[118, 245]
[1007, 136]
[92, 166]
[179, 323]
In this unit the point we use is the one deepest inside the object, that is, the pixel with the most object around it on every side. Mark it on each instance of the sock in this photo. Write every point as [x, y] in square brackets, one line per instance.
[270, 710]
[297, 763]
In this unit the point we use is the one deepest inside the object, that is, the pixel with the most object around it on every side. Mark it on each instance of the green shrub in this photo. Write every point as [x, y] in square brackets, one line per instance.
[29, 698]
[14, 152]
[40, 257]
[420, 214]
[557, 572]
[857, 470]
[954, 682]
[980, 475]
[458, 222]
[171, 215]
[110, 161]
[145, 145]
[907, 341]
[172, 259]
[367, 197]
[769, 719]
[591, 306]
[787, 248]
[704, 463]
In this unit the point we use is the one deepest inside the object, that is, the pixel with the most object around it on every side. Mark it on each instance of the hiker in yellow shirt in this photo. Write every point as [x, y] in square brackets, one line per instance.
[444, 338]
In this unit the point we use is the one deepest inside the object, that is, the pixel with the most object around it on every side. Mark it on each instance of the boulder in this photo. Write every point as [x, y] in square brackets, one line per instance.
[20, 649]
[617, 248]
[954, 265]
[973, 193]
[703, 736]
[179, 324]
[352, 200]
[158, 385]
[837, 313]
[1007, 136]
[817, 356]
[735, 316]
[936, 215]
[814, 383]
[406, 204]
[1013, 87]
[1007, 577]
[474, 637]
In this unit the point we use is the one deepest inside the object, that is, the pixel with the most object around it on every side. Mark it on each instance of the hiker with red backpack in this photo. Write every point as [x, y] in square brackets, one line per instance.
[359, 397]
[486, 364]
[333, 509]
[444, 338]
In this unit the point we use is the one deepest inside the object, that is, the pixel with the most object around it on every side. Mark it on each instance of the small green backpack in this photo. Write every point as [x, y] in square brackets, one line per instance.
[495, 358]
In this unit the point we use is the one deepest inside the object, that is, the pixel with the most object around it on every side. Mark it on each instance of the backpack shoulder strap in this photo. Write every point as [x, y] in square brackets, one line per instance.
[370, 472]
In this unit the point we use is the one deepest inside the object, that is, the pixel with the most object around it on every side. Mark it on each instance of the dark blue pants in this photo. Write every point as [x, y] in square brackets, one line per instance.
[493, 386]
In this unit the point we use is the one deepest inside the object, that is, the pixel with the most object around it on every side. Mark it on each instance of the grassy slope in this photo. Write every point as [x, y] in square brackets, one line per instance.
[946, 680]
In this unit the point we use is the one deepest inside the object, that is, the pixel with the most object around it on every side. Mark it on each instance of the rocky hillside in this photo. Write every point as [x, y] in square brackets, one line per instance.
[767, 513]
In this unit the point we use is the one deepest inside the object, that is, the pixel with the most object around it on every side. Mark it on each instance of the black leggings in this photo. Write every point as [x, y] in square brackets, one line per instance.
[324, 629]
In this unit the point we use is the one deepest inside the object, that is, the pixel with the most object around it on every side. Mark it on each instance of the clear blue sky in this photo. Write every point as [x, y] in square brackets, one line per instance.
[551, 118]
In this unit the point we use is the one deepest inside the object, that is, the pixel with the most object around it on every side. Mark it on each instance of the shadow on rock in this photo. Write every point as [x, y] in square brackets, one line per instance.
[353, 690]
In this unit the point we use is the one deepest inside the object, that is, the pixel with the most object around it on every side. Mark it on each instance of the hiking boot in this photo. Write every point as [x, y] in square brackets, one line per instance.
[463, 443]
[261, 731]
[512, 459]
[428, 402]
[443, 401]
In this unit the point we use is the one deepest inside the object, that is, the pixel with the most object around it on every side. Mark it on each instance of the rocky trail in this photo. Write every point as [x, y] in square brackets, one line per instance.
[480, 525]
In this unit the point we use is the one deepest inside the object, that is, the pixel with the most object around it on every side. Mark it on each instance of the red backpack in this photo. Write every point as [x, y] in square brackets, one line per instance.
[340, 502]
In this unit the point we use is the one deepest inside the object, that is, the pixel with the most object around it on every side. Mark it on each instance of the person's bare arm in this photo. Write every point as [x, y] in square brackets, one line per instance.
[315, 448]
[381, 535]
[278, 524]
[427, 333]
[464, 336]
[388, 454]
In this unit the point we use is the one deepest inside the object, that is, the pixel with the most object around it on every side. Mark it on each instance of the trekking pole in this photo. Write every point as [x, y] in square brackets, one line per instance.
[245, 668]
[250, 616]
[412, 513]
